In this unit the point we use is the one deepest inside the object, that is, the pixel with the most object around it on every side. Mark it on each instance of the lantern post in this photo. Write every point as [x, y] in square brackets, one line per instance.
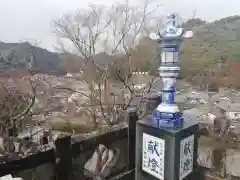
[166, 142]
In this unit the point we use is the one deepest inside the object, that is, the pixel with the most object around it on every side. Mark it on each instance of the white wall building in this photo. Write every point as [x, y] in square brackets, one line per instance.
[202, 115]
[231, 109]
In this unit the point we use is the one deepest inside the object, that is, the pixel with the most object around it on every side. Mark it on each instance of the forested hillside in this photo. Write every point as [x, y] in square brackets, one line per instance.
[214, 51]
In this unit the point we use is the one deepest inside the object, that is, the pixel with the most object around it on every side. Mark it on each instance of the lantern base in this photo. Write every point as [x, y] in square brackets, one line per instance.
[168, 119]
[171, 142]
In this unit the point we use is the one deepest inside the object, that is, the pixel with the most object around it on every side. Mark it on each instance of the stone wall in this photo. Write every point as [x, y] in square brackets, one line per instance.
[43, 172]
[46, 171]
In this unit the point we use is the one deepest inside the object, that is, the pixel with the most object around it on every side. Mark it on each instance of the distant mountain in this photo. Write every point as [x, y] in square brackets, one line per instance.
[102, 59]
[17, 55]
[193, 23]
[211, 41]
[214, 49]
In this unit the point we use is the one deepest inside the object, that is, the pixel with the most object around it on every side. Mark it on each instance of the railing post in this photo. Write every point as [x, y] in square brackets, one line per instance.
[64, 154]
[132, 119]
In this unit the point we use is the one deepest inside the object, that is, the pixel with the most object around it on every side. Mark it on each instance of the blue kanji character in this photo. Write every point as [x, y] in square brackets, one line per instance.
[152, 147]
[153, 164]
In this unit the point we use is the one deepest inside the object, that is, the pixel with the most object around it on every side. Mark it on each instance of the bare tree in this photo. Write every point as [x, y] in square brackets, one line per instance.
[18, 96]
[17, 99]
[114, 31]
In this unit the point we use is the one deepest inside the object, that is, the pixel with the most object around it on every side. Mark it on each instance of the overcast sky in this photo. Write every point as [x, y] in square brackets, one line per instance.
[31, 19]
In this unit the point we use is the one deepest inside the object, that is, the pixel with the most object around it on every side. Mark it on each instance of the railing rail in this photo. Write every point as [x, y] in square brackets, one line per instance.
[67, 148]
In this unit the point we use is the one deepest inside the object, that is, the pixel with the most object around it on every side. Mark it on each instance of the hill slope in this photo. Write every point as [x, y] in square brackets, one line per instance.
[15, 55]
[215, 50]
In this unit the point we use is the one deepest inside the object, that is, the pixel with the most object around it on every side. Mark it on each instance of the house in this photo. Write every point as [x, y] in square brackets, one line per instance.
[233, 163]
[233, 112]
[201, 114]
[184, 103]
[231, 109]
[35, 132]
[232, 160]
[194, 97]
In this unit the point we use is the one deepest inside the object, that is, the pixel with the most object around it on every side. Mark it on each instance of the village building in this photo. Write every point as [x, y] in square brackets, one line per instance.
[231, 109]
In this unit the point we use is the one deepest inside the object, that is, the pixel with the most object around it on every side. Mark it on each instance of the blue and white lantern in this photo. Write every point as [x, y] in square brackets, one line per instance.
[167, 113]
